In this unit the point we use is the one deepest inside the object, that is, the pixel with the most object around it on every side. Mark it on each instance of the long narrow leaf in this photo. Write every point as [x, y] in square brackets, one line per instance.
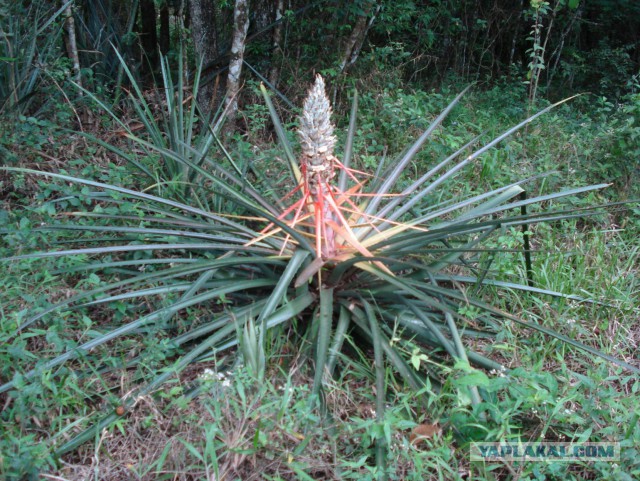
[325, 318]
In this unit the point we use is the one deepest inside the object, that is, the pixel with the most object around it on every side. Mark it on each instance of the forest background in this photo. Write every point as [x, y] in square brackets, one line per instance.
[126, 125]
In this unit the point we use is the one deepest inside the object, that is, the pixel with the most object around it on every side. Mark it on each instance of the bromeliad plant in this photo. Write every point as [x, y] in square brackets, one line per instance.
[343, 250]
[25, 47]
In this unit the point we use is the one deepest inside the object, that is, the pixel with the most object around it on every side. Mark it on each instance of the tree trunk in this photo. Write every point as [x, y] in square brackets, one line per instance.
[72, 46]
[276, 49]
[148, 35]
[262, 14]
[203, 29]
[84, 115]
[203, 25]
[358, 34]
[240, 28]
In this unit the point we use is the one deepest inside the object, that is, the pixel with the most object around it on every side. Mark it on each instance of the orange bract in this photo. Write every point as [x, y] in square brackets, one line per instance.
[326, 213]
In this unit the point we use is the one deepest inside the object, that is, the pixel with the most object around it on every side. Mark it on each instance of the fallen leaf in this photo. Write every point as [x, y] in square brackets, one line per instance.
[422, 432]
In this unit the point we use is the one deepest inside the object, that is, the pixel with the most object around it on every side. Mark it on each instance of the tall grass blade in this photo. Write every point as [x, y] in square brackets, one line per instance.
[381, 441]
